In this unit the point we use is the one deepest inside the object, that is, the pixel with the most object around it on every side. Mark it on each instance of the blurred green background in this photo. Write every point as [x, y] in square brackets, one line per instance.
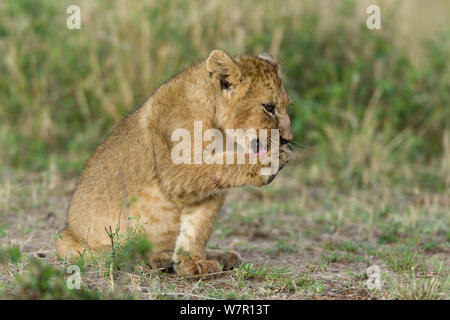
[371, 107]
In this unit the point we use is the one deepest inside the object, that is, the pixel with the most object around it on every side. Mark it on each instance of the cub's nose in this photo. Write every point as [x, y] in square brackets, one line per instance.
[284, 140]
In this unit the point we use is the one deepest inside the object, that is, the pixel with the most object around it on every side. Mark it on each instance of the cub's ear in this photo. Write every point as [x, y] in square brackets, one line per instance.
[271, 60]
[221, 66]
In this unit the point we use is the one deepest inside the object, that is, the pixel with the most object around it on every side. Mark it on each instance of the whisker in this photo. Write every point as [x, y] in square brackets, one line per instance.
[293, 145]
[298, 144]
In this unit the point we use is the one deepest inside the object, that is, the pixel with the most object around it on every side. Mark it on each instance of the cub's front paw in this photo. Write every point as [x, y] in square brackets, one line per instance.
[286, 153]
[198, 266]
[265, 173]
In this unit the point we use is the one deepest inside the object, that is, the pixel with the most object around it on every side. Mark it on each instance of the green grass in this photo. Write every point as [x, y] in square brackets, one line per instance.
[10, 254]
[366, 112]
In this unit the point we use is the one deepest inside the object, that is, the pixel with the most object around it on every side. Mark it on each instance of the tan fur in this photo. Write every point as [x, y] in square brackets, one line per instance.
[176, 204]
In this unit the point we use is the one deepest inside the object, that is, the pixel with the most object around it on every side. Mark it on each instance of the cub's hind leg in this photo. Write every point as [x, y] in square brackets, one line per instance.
[162, 260]
[229, 259]
[67, 245]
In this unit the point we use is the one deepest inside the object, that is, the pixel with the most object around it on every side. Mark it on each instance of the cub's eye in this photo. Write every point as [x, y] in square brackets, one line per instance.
[269, 108]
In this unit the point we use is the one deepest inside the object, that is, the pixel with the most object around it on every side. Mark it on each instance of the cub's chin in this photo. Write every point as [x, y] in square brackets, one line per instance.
[272, 177]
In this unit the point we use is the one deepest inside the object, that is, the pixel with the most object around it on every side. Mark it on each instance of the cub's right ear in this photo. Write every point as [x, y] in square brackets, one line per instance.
[222, 67]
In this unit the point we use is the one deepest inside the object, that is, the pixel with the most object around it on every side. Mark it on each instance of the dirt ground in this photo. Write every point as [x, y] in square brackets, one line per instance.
[297, 243]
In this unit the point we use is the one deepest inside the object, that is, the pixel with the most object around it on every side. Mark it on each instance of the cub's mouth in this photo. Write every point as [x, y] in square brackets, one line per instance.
[258, 148]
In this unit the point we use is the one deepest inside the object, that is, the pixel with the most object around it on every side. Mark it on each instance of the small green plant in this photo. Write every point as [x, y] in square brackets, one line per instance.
[10, 254]
[283, 246]
[417, 289]
[338, 257]
[129, 250]
[225, 232]
[248, 272]
[405, 261]
[3, 227]
[347, 246]
[226, 294]
[308, 284]
[390, 232]
[44, 281]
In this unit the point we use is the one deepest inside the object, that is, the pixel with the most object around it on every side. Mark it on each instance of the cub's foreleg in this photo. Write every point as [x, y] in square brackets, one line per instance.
[196, 224]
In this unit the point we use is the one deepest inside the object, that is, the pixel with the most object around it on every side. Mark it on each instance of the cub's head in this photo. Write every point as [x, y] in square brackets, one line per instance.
[252, 93]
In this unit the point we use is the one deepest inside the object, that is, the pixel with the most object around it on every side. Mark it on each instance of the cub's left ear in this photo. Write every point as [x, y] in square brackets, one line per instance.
[271, 60]
[221, 66]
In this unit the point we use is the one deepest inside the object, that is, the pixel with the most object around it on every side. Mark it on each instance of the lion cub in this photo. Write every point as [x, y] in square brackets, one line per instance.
[177, 202]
